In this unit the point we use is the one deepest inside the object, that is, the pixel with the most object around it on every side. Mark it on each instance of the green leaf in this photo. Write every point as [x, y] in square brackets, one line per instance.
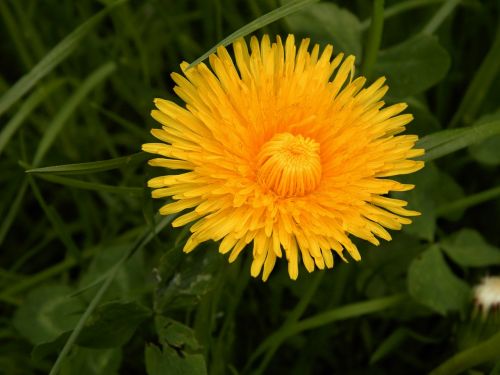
[412, 66]
[52, 59]
[431, 282]
[185, 285]
[91, 167]
[169, 362]
[44, 349]
[266, 19]
[423, 200]
[326, 23]
[92, 362]
[47, 312]
[487, 152]
[447, 141]
[468, 248]
[175, 334]
[112, 324]
[130, 279]
[67, 109]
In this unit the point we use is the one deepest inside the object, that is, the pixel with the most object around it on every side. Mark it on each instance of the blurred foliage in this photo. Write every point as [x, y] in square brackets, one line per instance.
[92, 282]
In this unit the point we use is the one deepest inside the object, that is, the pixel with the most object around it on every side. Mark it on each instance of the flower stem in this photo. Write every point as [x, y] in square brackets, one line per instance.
[485, 351]
[374, 38]
[469, 201]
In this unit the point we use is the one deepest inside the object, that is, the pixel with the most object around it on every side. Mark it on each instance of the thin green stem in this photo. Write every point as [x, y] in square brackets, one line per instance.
[400, 8]
[469, 201]
[293, 317]
[487, 350]
[440, 16]
[374, 38]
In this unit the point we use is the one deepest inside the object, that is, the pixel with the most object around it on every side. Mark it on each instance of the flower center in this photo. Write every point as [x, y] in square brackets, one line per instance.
[289, 165]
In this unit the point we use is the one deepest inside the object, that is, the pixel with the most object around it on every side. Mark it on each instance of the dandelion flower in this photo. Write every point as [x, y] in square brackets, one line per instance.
[284, 149]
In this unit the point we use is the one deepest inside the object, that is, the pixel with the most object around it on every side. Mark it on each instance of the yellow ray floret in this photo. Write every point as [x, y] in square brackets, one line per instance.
[280, 147]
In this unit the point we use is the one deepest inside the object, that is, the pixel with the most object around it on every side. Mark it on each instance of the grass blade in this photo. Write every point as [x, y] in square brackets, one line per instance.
[481, 83]
[90, 167]
[69, 107]
[79, 184]
[266, 19]
[62, 50]
[9, 218]
[483, 352]
[56, 221]
[28, 106]
[440, 16]
[447, 141]
[469, 201]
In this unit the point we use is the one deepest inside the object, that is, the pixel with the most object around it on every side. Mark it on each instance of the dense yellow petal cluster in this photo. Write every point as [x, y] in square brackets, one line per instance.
[284, 149]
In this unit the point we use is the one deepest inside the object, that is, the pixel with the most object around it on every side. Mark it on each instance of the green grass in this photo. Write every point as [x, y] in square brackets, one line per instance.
[93, 281]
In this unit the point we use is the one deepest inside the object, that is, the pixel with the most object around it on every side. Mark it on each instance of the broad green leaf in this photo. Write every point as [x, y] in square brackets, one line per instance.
[447, 141]
[92, 362]
[175, 334]
[52, 59]
[383, 270]
[44, 349]
[130, 280]
[422, 199]
[67, 109]
[47, 312]
[160, 362]
[487, 152]
[90, 167]
[189, 282]
[447, 190]
[112, 324]
[274, 15]
[326, 23]
[468, 248]
[431, 282]
[412, 66]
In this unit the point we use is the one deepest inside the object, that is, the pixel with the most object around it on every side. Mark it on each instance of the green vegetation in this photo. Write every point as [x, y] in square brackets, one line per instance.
[93, 281]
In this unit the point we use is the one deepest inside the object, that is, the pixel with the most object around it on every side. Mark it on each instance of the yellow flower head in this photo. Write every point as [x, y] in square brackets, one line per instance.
[283, 149]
